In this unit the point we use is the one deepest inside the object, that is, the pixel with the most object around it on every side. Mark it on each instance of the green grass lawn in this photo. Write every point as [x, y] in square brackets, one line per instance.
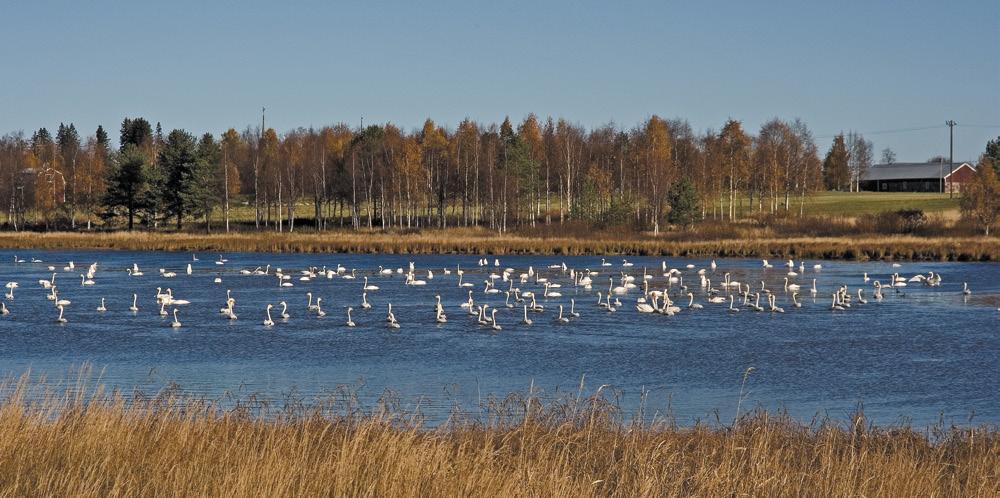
[858, 203]
[849, 204]
[829, 203]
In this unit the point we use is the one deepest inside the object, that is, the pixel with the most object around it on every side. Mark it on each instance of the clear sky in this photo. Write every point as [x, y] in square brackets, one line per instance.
[210, 65]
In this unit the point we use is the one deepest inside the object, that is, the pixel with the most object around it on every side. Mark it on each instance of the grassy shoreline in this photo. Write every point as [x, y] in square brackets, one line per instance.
[861, 247]
[96, 443]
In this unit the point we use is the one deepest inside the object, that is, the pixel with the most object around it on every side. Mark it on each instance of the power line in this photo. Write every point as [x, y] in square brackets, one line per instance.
[897, 130]
[977, 126]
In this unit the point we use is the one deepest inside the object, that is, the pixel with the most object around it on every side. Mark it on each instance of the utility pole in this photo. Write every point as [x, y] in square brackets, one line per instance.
[256, 163]
[951, 155]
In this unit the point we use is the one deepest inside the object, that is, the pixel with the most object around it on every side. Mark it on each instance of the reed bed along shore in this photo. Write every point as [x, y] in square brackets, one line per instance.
[472, 241]
[112, 444]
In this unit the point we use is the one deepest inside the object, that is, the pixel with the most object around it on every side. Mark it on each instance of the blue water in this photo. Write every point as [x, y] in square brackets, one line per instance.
[927, 353]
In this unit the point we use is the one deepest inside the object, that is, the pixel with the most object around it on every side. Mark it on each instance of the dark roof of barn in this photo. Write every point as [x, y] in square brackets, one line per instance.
[910, 171]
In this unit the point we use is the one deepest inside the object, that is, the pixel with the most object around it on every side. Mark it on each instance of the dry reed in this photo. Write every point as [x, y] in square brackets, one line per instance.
[469, 241]
[108, 444]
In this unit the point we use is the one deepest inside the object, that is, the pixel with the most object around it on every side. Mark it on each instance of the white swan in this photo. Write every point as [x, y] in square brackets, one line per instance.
[176, 323]
[319, 311]
[600, 301]
[692, 304]
[774, 309]
[102, 308]
[732, 302]
[349, 323]
[493, 319]
[791, 287]
[836, 306]
[645, 307]
[284, 311]
[965, 289]
[60, 319]
[572, 309]
[268, 322]
[561, 318]
[526, 320]
[548, 293]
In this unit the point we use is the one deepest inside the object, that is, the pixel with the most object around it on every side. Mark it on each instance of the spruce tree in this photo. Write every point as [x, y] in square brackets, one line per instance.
[203, 194]
[836, 170]
[683, 201]
[177, 162]
[127, 185]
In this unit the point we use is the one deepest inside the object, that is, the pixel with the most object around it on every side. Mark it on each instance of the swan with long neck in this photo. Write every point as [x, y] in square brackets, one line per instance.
[836, 305]
[561, 318]
[691, 303]
[268, 322]
[732, 305]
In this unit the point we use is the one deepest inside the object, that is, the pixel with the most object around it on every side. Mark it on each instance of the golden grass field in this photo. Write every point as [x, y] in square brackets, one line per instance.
[79, 443]
[478, 241]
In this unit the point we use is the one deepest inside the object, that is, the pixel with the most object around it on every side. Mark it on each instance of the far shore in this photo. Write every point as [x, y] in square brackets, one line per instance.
[860, 248]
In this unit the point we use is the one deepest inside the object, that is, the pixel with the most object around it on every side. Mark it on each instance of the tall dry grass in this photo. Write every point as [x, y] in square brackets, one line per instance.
[730, 242]
[108, 444]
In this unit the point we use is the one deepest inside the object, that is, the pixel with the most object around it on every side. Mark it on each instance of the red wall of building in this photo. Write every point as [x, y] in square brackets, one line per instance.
[960, 176]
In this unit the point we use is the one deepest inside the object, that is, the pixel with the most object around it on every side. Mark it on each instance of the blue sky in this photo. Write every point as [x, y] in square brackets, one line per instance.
[208, 66]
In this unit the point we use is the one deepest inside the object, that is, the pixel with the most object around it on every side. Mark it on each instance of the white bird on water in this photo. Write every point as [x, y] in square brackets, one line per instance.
[560, 318]
[268, 322]
[349, 323]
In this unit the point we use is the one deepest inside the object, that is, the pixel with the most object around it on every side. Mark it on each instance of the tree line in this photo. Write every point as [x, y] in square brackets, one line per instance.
[380, 176]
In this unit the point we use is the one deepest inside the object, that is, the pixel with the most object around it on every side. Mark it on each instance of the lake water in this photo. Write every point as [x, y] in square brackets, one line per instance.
[918, 355]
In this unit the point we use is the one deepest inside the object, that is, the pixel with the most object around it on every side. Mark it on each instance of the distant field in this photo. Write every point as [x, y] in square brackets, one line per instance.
[858, 203]
[829, 203]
